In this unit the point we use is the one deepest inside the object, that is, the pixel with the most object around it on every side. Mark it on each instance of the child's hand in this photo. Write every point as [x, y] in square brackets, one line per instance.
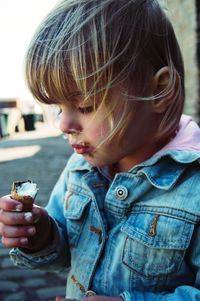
[92, 298]
[29, 230]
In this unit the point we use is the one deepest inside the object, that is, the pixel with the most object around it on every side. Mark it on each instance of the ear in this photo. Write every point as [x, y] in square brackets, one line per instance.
[160, 82]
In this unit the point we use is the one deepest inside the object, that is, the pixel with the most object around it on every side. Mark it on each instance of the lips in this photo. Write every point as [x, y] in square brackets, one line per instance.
[81, 149]
[79, 145]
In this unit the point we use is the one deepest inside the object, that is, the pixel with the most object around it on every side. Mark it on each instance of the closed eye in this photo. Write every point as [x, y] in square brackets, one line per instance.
[86, 110]
[56, 110]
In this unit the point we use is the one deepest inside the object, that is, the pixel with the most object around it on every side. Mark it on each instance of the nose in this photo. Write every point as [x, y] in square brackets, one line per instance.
[69, 124]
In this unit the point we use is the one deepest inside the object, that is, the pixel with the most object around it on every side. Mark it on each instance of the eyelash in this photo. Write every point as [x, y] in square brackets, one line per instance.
[84, 110]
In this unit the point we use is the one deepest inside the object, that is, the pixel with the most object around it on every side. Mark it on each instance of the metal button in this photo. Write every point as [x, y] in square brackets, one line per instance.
[121, 192]
[90, 293]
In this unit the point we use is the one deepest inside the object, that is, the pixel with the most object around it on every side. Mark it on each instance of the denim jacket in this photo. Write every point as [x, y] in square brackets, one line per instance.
[136, 235]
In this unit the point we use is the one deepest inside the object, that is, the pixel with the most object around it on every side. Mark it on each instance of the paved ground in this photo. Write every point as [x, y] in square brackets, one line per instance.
[39, 155]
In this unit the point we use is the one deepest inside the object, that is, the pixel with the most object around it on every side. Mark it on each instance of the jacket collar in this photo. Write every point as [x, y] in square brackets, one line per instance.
[164, 170]
[78, 163]
[166, 166]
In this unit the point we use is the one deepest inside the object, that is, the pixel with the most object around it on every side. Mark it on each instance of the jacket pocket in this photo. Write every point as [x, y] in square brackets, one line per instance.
[75, 212]
[155, 244]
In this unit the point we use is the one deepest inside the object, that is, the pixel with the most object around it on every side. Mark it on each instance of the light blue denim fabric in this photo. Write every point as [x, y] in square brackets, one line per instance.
[137, 236]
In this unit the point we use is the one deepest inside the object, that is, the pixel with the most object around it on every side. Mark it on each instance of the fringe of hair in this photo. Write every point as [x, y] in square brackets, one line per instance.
[95, 45]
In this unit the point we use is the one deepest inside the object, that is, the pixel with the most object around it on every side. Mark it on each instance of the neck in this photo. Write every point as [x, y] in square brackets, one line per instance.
[139, 156]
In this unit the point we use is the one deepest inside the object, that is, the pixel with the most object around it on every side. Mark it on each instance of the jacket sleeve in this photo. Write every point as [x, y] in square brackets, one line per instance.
[183, 292]
[56, 256]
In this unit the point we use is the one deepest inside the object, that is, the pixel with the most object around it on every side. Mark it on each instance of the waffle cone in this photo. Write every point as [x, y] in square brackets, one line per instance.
[27, 200]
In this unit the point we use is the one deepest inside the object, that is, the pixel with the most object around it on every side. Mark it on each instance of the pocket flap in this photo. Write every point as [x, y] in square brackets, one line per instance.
[75, 204]
[168, 232]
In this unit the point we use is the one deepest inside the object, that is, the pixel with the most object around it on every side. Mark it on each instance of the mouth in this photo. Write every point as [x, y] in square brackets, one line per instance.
[81, 148]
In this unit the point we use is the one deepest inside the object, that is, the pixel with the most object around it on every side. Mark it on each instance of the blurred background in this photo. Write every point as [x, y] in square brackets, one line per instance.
[31, 147]
[18, 21]
[185, 16]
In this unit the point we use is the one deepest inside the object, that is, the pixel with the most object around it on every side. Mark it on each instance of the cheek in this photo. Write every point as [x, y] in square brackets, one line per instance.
[98, 132]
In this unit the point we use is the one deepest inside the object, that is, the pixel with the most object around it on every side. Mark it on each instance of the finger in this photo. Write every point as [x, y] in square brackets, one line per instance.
[15, 242]
[16, 218]
[8, 204]
[15, 232]
[38, 213]
[59, 298]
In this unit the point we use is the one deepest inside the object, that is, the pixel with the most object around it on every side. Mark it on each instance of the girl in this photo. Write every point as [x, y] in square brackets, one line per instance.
[123, 218]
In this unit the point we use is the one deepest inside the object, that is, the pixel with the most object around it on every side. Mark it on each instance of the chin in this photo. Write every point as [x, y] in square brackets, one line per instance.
[97, 162]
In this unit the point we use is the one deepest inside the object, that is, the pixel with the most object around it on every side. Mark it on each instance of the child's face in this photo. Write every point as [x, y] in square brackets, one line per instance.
[86, 130]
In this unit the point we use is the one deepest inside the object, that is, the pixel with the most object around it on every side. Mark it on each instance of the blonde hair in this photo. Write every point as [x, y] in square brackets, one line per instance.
[95, 45]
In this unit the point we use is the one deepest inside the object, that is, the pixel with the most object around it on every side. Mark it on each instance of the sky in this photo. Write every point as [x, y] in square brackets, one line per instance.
[18, 22]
